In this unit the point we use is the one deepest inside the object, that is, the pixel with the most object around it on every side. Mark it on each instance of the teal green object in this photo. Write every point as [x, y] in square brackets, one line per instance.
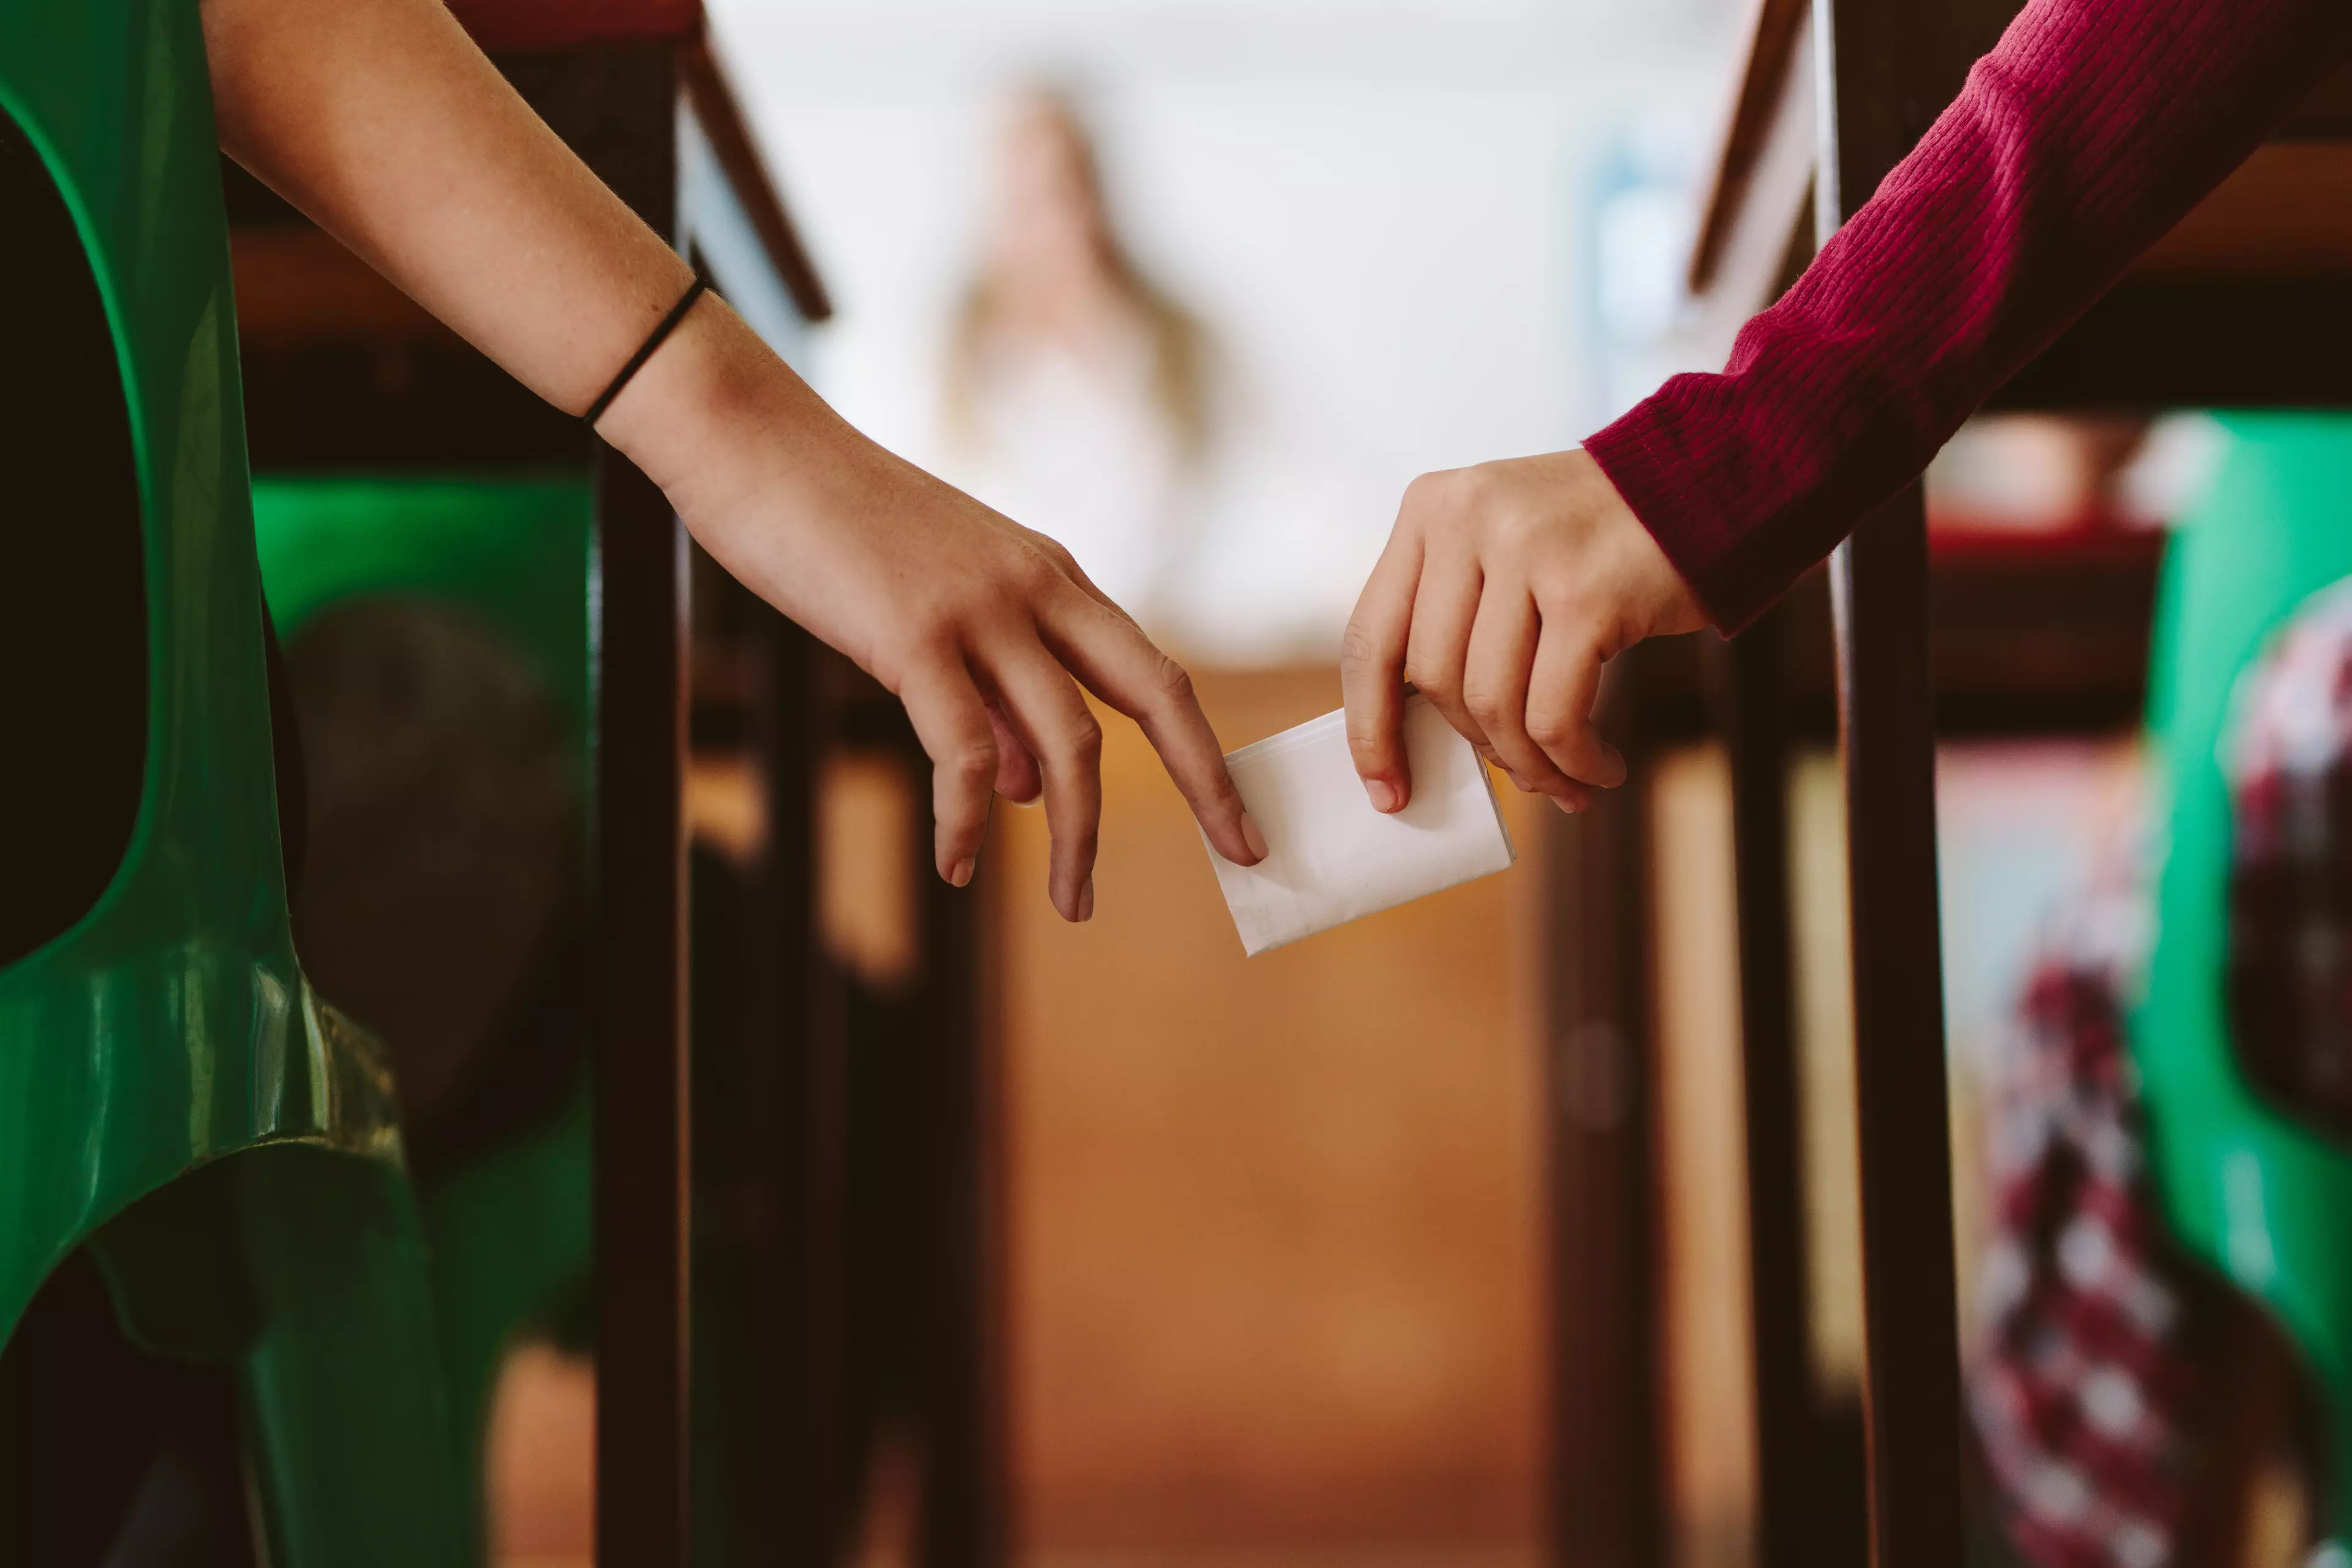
[511, 1230]
[515, 551]
[172, 1092]
[513, 1236]
[2264, 1199]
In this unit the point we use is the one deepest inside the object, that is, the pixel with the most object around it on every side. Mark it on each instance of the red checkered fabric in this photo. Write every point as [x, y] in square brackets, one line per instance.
[2082, 1393]
[2089, 1391]
[2288, 758]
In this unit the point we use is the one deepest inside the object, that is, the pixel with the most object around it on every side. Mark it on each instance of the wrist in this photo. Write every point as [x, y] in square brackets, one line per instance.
[715, 418]
[1655, 598]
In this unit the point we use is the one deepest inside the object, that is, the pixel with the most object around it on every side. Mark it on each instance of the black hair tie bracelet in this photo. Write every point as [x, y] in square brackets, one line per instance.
[638, 360]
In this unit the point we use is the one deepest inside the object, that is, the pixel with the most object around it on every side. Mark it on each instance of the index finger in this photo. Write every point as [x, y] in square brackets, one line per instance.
[1110, 654]
[1372, 673]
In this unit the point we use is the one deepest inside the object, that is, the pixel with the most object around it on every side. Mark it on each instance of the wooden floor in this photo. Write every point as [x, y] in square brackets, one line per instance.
[1275, 1254]
[542, 1461]
[1276, 1260]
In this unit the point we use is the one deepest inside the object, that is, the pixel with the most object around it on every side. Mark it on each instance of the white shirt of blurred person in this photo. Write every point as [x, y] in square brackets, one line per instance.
[1077, 390]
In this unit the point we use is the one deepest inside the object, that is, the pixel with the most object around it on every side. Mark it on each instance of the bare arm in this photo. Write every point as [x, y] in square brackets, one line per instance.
[381, 120]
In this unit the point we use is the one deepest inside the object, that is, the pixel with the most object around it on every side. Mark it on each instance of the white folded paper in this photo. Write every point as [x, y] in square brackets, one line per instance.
[1332, 858]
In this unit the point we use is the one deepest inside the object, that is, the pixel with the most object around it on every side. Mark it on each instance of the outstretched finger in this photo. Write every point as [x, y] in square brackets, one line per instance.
[952, 720]
[1372, 673]
[1110, 654]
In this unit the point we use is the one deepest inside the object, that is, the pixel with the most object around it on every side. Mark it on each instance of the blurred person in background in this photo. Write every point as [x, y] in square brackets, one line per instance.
[1076, 389]
[1078, 393]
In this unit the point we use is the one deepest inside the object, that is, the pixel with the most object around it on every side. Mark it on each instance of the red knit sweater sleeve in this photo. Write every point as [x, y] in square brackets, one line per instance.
[2089, 131]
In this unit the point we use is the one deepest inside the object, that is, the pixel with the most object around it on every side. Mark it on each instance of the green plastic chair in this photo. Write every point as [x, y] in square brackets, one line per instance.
[2264, 1199]
[173, 1095]
[511, 1228]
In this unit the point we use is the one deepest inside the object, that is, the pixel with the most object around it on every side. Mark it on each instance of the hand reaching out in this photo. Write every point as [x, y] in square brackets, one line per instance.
[984, 629]
[1502, 591]
[381, 119]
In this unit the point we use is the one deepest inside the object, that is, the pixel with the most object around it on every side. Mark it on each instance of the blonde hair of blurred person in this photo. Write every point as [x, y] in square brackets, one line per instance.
[1075, 388]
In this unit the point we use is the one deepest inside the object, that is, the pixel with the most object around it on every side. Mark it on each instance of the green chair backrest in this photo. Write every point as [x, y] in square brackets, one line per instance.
[172, 1094]
[2261, 1197]
[171, 1023]
[515, 551]
[510, 1228]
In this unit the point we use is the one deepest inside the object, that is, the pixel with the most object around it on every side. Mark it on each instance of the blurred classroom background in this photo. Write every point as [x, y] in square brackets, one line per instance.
[1275, 1267]
[1432, 1242]
[1198, 290]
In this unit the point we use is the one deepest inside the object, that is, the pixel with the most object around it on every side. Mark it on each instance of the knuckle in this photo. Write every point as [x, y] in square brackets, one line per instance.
[938, 633]
[1356, 644]
[1175, 682]
[1474, 495]
[1042, 575]
[1032, 572]
[971, 763]
[1077, 741]
[1431, 506]
[927, 620]
[1425, 492]
[1548, 729]
[1517, 527]
[1487, 707]
[1560, 590]
[1365, 746]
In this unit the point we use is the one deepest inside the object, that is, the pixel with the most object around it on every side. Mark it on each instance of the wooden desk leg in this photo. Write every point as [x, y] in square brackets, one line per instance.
[1604, 1495]
[1748, 700]
[965, 1522]
[1878, 584]
[804, 1155]
[643, 1174]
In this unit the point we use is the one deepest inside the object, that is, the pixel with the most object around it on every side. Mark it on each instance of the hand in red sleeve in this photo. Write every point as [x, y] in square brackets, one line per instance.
[1502, 591]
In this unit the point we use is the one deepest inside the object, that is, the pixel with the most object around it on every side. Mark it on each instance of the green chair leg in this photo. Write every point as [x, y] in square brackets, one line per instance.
[511, 1234]
[305, 1267]
[352, 1449]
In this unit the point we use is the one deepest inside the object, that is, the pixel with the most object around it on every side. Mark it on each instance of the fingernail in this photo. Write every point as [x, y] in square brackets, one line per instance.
[1614, 761]
[1568, 806]
[1253, 836]
[1383, 794]
[1086, 902]
[961, 875]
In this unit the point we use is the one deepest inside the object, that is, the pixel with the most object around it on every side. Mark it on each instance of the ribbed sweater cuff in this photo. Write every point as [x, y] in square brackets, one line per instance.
[1712, 545]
